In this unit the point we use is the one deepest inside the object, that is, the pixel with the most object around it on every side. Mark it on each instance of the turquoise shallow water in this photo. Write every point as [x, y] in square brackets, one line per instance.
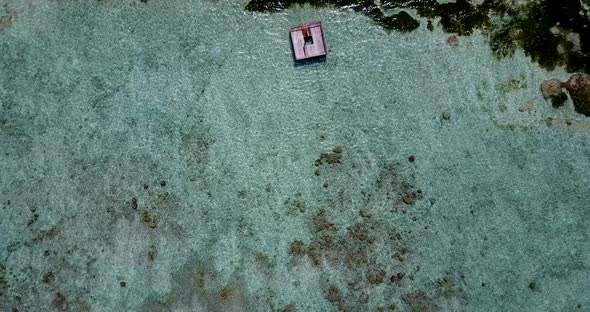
[260, 211]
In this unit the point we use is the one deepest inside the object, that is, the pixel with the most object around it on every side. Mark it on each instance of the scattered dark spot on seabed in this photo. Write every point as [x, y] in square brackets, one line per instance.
[552, 32]
[7, 16]
[371, 252]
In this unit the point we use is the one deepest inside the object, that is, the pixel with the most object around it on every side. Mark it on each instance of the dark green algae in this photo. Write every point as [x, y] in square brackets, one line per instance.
[542, 31]
[547, 30]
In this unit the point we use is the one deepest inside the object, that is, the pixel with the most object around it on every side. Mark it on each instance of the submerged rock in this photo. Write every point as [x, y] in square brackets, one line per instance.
[453, 41]
[579, 88]
[551, 89]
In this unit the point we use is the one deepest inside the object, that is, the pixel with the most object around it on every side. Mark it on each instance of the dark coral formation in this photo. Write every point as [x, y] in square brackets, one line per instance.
[297, 248]
[552, 32]
[395, 186]
[295, 203]
[335, 157]
[356, 251]
[370, 250]
[329, 158]
[420, 301]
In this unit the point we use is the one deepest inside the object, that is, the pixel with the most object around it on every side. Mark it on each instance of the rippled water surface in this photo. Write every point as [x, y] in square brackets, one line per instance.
[171, 156]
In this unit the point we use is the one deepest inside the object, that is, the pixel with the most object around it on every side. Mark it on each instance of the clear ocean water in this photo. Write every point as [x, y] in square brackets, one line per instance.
[171, 156]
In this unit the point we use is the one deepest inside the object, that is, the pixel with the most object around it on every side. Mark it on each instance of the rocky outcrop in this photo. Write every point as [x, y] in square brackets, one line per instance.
[578, 87]
[551, 89]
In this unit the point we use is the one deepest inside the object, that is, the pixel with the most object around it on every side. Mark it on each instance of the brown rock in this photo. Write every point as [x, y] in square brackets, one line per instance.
[551, 89]
[579, 88]
[453, 41]
[149, 219]
[408, 199]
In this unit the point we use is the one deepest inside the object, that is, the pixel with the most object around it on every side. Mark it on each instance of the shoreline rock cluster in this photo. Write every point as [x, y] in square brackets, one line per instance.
[578, 87]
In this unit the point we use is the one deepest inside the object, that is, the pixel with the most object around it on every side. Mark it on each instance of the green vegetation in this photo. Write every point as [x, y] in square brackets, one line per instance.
[552, 33]
[401, 21]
